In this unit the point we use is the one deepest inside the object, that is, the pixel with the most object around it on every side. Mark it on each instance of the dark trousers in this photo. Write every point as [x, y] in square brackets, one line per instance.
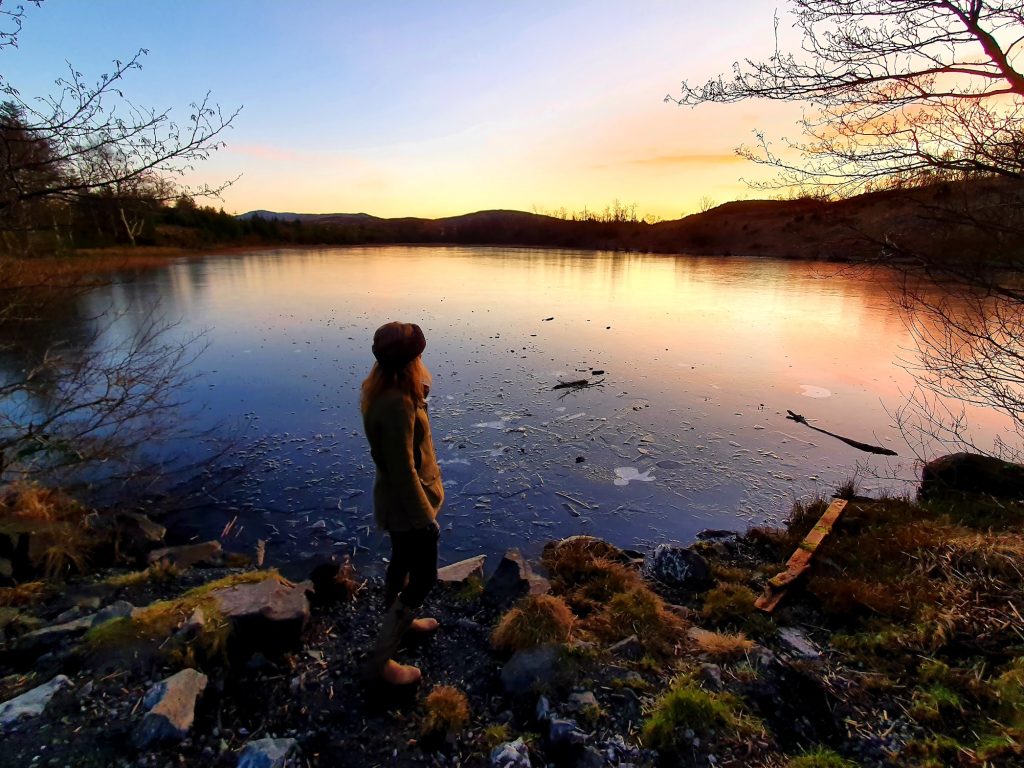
[412, 571]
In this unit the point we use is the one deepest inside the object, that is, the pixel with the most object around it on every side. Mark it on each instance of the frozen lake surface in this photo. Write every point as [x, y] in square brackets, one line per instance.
[694, 363]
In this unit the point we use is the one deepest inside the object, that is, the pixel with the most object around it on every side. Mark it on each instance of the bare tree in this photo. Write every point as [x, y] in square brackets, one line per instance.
[923, 94]
[899, 91]
[96, 138]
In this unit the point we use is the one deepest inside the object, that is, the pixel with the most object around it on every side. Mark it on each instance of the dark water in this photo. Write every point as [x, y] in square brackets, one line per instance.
[685, 431]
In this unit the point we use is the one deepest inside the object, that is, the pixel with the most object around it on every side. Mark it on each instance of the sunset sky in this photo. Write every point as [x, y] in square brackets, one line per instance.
[434, 109]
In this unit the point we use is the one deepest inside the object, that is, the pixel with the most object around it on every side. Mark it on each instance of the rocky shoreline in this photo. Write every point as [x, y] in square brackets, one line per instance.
[903, 646]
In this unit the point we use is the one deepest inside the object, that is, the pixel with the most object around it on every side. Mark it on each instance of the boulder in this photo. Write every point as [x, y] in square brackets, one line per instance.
[266, 616]
[170, 706]
[462, 571]
[187, 555]
[31, 703]
[581, 701]
[269, 753]
[679, 567]
[969, 473]
[513, 579]
[512, 754]
[530, 667]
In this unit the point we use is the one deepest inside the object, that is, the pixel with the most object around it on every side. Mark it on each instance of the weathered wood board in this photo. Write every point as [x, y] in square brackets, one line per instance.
[800, 560]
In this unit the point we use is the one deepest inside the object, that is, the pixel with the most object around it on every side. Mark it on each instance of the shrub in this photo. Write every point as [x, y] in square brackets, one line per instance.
[447, 710]
[533, 621]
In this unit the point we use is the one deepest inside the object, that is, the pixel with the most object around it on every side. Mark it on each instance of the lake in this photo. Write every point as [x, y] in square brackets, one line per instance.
[693, 362]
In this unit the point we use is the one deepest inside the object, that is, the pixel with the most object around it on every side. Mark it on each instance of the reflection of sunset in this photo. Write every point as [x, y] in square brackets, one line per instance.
[736, 331]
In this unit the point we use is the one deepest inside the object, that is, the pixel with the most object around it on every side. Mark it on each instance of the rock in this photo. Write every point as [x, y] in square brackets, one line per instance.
[628, 706]
[961, 473]
[192, 626]
[513, 579]
[580, 701]
[512, 754]
[591, 758]
[563, 733]
[797, 642]
[630, 648]
[54, 636]
[136, 533]
[543, 710]
[711, 677]
[187, 555]
[269, 753]
[462, 571]
[266, 616]
[679, 567]
[31, 703]
[529, 667]
[170, 707]
[6, 569]
[117, 610]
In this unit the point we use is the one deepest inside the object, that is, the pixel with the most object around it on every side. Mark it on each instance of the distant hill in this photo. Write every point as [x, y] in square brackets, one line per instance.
[805, 228]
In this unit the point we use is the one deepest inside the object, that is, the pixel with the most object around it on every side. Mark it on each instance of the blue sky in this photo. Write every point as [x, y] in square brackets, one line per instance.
[403, 108]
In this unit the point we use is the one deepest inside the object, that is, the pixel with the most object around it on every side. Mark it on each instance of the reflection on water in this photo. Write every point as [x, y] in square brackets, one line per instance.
[701, 358]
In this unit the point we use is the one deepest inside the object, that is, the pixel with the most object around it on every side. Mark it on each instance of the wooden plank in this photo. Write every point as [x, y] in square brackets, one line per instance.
[800, 560]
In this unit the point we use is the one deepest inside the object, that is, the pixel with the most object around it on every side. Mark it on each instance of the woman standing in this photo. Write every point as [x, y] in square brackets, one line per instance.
[407, 494]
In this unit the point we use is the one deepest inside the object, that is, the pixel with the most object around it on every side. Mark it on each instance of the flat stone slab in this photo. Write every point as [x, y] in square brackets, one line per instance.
[57, 634]
[31, 703]
[187, 555]
[269, 753]
[530, 667]
[266, 615]
[171, 707]
[462, 571]
[798, 643]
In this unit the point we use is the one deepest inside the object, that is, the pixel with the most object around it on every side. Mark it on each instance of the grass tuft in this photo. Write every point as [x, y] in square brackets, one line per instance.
[687, 706]
[723, 646]
[532, 621]
[728, 605]
[447, 711]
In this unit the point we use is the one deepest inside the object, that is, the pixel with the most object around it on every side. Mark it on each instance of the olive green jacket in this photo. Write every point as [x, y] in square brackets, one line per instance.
[407, 493]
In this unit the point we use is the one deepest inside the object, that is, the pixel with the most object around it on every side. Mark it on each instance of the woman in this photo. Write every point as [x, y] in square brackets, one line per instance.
[407, 494]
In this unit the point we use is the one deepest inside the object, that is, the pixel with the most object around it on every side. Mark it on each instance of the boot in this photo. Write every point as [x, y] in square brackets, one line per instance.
[424, 626]
[380, 665]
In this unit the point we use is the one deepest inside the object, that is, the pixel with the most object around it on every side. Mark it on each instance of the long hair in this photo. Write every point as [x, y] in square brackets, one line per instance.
[414, 379]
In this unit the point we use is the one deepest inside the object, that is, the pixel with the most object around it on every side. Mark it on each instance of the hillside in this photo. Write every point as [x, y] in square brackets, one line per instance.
[804, 228]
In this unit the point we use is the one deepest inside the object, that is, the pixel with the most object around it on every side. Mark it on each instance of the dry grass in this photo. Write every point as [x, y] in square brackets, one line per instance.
[21, 595]
[639, 611]
[584, 574]
[447, 711]
[533, 621]
[724, 646]
[61, 542]
[159, 573]
[32, 503]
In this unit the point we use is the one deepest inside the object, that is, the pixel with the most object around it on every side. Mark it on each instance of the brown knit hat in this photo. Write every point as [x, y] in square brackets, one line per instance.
[395, 345]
